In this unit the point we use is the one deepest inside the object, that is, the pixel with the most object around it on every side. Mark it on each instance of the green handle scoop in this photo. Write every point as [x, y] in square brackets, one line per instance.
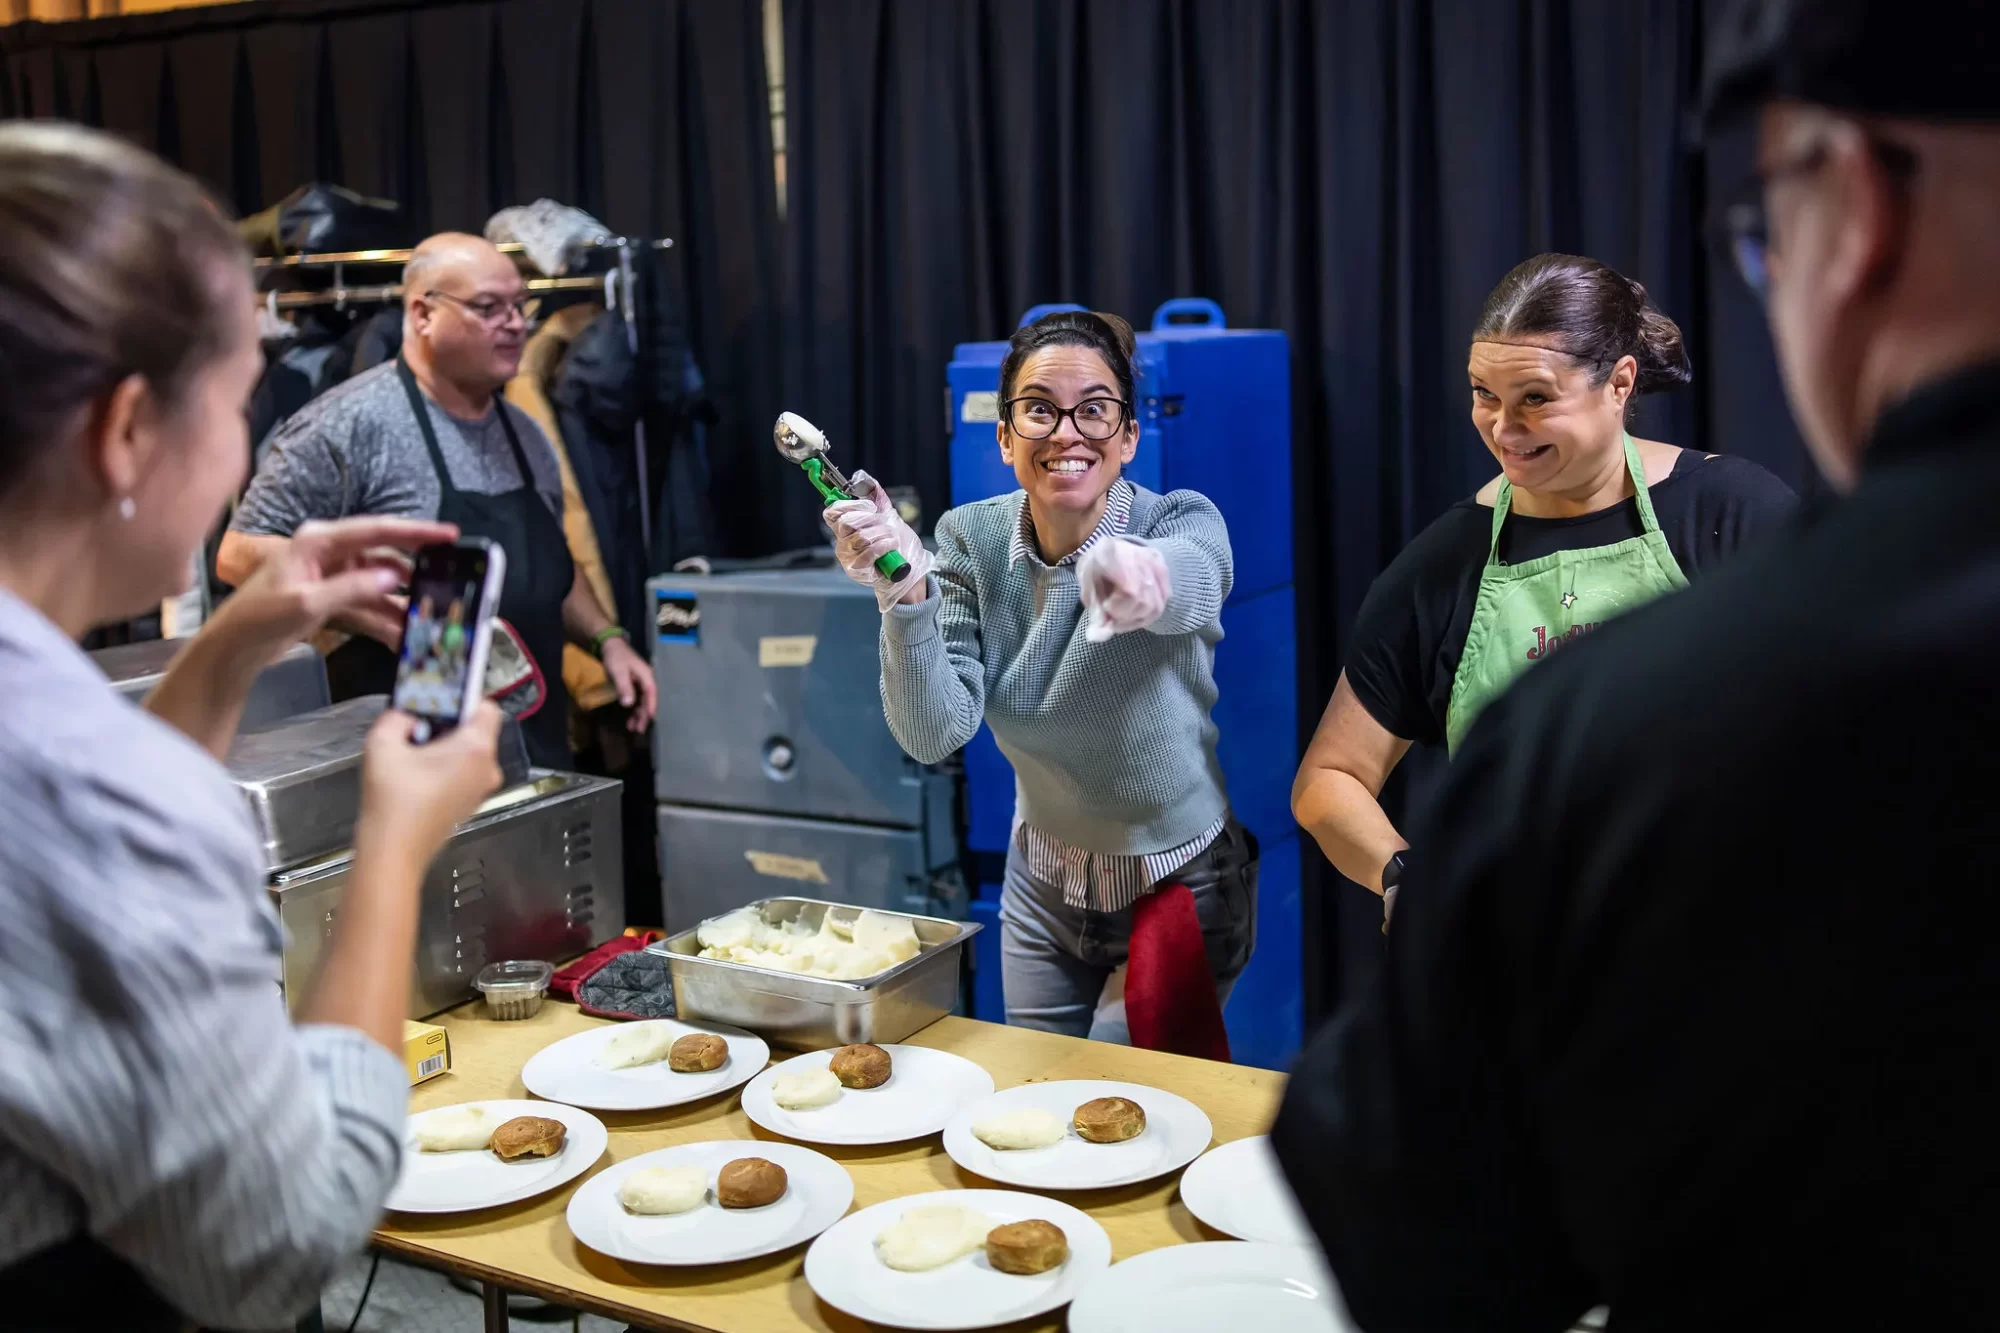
[803, 443]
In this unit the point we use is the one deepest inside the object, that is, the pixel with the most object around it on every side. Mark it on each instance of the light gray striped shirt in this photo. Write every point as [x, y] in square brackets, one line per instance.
[1102, 883]
[1112, 743]
[153, 1092]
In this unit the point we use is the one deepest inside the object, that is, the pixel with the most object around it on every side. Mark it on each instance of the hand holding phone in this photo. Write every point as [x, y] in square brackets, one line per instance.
[454, 595]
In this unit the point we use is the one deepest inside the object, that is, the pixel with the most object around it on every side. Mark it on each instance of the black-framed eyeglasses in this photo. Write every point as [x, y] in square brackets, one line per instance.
[1095, 418]
[1741, 225]
[487, 310]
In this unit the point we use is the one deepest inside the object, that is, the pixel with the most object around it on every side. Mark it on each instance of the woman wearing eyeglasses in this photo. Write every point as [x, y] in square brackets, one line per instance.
[1583, 523]
[1078, 618]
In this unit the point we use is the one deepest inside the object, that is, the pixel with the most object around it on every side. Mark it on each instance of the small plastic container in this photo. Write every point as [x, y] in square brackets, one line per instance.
[514, 989]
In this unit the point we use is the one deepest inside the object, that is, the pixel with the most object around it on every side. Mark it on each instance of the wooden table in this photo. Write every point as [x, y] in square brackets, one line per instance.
[528, 1248]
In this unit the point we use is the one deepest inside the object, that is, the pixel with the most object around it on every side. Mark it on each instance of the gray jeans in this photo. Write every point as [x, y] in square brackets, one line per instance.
[1063, 967]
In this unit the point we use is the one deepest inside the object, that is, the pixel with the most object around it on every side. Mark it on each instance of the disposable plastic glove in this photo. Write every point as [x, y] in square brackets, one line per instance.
[1124, 587]
[867, 528]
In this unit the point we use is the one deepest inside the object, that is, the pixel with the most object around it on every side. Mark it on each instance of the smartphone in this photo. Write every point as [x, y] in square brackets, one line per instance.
[454, 595]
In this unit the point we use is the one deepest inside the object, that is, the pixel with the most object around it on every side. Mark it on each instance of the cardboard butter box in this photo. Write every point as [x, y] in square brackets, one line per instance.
[426, 1051]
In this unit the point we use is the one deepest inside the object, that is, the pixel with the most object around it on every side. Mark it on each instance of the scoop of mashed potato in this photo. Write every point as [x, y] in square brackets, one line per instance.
[805, 1091]
[931, 1237]
[840, 950]
[456, 1129]
[1013, 1131]
[637, 1044]
[663, 1190]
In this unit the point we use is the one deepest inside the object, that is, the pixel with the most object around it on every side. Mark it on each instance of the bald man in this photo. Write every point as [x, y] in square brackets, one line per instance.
[429, 436]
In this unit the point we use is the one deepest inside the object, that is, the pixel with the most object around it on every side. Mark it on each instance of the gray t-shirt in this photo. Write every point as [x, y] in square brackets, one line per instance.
[356, 450]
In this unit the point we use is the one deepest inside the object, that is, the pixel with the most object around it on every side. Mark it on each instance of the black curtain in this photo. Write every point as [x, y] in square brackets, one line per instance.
[1358, 175]
[652, 115]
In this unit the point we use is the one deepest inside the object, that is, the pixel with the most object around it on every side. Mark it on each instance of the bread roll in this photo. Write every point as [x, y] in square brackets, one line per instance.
[529, 1136]
[456, 1129]
[931, 1237]
[697, 1053]
[806, 1091]
[1014, 1131]
[750, 1182]
[861, 1066]
[1027, 1247]
[1110, 1120]
[637, 1044]
[664, 1190]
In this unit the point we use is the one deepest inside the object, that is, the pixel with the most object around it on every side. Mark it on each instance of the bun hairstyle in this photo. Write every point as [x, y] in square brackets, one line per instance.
[1107, 335]
[1591, 313]
[111, 264]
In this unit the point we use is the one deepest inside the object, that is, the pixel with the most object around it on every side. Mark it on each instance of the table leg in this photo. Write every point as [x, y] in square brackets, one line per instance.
[496, 1307]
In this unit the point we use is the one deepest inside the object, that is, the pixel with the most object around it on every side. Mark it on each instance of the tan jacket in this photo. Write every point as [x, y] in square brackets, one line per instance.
[529, 390]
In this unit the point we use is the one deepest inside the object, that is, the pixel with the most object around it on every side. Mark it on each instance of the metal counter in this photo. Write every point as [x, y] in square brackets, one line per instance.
[294, 684]
[538, 872]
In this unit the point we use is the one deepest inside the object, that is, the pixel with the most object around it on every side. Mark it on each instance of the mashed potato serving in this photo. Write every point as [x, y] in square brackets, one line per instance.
[838, 950]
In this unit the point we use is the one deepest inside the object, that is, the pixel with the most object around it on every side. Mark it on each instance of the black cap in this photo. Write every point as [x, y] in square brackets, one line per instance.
[1933, 60]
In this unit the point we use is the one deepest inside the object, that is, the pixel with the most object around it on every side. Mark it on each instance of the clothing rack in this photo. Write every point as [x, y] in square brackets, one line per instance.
[329, 259]
[340, 297]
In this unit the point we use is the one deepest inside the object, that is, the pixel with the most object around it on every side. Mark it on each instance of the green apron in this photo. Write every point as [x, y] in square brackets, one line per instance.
[1525, 612]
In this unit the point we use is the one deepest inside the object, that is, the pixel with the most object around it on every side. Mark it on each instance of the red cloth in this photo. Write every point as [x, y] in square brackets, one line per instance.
[1170, 1002]
[565, 982]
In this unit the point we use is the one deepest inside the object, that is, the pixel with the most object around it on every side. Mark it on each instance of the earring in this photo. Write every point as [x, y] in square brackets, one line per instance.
[126, 509]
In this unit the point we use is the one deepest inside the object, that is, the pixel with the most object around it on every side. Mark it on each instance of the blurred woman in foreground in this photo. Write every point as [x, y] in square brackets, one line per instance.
[172, 1148]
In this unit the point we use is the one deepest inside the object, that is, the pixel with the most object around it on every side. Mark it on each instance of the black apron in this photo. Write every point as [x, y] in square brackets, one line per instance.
[540, 574]
[77, 1285]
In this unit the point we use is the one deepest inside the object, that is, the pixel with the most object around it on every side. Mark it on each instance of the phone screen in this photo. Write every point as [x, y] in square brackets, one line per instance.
[442, 636]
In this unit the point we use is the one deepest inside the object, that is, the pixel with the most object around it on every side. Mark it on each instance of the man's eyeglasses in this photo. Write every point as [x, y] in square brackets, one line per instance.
[1095, 418]
[1741, 225]
[487, 310]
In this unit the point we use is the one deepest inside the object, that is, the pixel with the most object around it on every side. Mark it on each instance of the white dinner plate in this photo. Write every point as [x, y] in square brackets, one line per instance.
[567, 1071]
[1176, 1133]
[1239, 1190]
[457, 1182]
[925, 1090]
[1222, 1284]
[843, 1268]
[818, 1190]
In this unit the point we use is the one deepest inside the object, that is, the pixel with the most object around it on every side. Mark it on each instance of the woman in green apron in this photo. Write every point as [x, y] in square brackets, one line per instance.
[1583, 523]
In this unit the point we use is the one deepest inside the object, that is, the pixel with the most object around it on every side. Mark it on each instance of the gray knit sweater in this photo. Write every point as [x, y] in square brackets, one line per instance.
[1112, 745]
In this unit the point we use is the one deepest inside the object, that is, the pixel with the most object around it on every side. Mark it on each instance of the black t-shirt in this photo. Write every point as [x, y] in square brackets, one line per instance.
[1412, 627]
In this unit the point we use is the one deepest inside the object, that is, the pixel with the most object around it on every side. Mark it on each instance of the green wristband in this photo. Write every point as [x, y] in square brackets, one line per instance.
[604, 636]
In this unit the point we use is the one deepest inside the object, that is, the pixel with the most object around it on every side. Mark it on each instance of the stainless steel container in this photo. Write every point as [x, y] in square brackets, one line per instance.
[302, 777]
[811, 1013]
[294, 684]
[538, 872]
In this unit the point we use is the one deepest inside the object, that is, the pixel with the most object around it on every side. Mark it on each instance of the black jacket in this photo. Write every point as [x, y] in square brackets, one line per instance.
[597, 398]
[1689, 1005]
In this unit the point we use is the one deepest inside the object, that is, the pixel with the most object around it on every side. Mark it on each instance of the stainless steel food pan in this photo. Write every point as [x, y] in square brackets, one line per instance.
[294, 684]
[302, 777]
[811, 1013]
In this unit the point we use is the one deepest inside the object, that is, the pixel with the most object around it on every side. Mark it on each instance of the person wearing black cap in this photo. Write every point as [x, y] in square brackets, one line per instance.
[1689, 1007]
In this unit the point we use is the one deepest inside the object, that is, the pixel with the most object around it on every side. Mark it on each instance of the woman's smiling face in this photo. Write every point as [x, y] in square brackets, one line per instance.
[1068, 471]
[1550, 429]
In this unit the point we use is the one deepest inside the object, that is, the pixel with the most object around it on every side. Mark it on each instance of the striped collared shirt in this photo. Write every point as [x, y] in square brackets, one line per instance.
[1105, 883]
[153, 1093]
[1088, 879]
